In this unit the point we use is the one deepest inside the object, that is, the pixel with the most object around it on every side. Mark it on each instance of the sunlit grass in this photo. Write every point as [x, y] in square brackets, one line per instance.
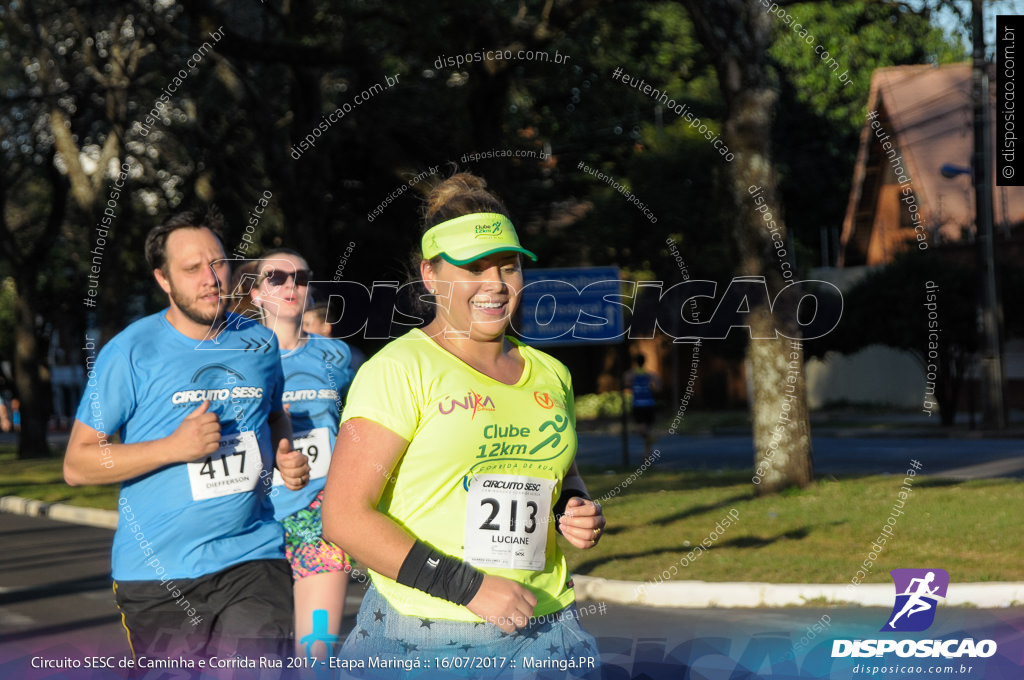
[820, 534]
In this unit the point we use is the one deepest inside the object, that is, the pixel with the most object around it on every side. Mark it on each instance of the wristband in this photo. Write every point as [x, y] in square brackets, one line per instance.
[563, 500]
[439, 575]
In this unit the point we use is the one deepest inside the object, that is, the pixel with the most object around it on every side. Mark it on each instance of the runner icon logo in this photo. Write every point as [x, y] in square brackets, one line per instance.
[917, 594]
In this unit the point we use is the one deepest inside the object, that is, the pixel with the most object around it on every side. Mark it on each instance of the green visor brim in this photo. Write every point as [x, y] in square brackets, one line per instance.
[504, 249]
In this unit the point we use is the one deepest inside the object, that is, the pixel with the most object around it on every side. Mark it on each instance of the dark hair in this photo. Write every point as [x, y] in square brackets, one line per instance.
[282, 251]
[461, 194]
[278, 251]
[241, 302]
[156, 239]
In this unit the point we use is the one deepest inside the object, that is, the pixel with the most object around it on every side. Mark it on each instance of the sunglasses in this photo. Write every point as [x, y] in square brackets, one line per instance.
[278, 278]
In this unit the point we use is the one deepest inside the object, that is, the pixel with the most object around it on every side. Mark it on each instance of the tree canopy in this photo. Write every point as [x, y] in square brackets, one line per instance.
[202, 101]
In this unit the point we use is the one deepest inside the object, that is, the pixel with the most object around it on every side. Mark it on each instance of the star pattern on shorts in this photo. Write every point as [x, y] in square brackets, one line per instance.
[365, 633]
[426, 623]
[552, 649]
[378, 616]
[408, 646]
[466, 648]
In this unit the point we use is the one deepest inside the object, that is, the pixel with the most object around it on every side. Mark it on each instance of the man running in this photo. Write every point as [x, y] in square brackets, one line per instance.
[195, 395]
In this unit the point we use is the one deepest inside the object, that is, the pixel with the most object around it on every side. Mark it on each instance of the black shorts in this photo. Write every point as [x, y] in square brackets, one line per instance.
[246, 610]
[643, 415]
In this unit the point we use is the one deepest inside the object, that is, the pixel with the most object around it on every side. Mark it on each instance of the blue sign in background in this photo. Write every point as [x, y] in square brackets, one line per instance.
[570, 306]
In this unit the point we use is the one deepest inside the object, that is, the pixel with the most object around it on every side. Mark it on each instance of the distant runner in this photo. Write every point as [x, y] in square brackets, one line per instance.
[643, 384]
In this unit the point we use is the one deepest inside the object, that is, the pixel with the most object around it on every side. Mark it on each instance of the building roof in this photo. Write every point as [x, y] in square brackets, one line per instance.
[927, 113]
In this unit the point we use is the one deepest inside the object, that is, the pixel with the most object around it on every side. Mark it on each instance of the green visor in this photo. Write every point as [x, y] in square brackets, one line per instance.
[470, 237]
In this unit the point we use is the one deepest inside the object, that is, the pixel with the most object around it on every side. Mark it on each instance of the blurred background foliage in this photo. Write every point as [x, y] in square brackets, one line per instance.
[77, 80]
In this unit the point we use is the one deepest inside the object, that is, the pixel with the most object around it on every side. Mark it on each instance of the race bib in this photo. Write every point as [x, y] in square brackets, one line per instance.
[234, 468]
[507, 521]
[316, 444]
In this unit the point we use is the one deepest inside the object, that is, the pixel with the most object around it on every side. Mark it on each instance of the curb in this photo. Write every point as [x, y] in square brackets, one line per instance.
[62, 512]
[704, 594]
[678, 594]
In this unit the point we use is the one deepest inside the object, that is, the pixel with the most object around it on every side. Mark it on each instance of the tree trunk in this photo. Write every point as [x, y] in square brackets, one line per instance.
[31, 376]
[27, 249]
[737, 35]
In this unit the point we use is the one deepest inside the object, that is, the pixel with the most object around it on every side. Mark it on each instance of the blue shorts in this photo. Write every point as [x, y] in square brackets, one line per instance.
[555, 645]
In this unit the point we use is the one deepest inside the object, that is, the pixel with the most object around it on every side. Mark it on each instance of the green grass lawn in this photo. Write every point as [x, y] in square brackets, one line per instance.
[43, 479]
[816, 535]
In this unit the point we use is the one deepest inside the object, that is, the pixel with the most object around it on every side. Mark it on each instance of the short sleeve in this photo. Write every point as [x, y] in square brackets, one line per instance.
[347, 373]
[350, 373]
[387, 392]
[108, 400]
[570, 399]
[277, 380]
[274, 373]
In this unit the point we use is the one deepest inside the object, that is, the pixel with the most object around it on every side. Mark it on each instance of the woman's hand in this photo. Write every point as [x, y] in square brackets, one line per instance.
[504, 603]
[582, 523]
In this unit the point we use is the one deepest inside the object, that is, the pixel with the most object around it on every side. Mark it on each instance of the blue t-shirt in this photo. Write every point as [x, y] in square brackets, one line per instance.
[316, 376]
[187, 520]
[643, 397]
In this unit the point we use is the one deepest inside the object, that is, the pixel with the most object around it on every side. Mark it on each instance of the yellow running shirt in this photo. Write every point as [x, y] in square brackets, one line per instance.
[484, 466]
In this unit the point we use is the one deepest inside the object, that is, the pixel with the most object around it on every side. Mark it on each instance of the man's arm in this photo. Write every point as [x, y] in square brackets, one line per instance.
[91, 459]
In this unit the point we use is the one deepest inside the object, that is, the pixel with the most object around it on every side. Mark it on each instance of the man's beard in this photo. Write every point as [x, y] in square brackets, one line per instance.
[193, 313]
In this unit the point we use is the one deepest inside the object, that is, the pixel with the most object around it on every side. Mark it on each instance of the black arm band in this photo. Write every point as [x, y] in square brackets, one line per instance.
[439, 575]
[563, 500]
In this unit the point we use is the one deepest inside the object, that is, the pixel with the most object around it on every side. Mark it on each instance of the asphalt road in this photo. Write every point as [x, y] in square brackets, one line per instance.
[960, 458]
[56, 599]
[56, 602]
[852, 452]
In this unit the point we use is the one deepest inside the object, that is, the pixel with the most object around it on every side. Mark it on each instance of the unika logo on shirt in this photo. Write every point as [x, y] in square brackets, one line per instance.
[918, 592]
[473, 401]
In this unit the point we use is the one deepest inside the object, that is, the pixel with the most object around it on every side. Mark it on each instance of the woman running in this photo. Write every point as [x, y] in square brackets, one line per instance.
[316, 374]
[455, 467]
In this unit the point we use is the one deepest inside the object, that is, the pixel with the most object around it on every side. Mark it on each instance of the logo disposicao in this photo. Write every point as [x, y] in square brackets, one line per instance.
[918, 592]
